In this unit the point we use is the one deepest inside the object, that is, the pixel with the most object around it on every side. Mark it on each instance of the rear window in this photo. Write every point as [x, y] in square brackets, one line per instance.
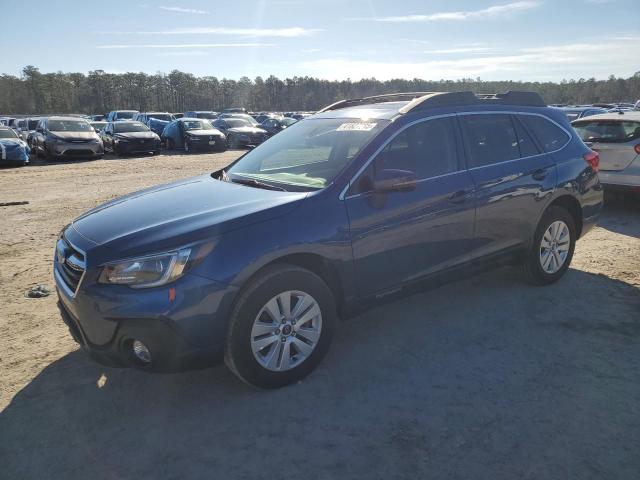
[549, 135]
[607, 131]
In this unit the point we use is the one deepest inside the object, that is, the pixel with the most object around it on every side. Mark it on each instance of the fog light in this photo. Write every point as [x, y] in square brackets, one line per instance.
[141, 351]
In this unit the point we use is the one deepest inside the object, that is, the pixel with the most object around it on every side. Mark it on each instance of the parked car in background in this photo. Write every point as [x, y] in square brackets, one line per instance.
[276, 125]
[264, 116]
[368, 197]
[234, 110]
[127, 137]
[192, 134]
[156, 121]
[574, 112]
[240, 132]
[616, 137]
[97, 118]
[66, 137]
[29, 126]
[177, 115]
[117, 115]
[206, 114]
[98, 126]
[13, 150]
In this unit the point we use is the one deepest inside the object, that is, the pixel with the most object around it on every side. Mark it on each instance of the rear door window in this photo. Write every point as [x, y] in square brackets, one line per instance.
[607, 131]
[549, 135]
[490, 139]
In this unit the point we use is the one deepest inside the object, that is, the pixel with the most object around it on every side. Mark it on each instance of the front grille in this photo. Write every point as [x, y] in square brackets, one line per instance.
[70, 264]
[78, 152]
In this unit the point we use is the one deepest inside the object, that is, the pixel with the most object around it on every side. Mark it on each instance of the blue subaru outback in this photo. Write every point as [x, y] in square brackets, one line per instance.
[257, 262]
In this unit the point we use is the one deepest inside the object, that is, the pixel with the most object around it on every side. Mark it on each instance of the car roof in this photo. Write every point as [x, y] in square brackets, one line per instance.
[632, 116]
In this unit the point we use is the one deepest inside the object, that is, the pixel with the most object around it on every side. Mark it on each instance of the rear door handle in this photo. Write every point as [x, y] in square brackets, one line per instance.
[540, 174]
[460, 196]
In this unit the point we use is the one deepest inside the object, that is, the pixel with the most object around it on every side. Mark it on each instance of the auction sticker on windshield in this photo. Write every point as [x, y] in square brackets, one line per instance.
[356, 126]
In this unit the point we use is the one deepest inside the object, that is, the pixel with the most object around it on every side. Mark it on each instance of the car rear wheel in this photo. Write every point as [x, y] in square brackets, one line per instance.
[552, 247]
[281, 327]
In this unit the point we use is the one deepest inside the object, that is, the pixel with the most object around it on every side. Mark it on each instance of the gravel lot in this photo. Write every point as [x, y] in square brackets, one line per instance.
[485, 378]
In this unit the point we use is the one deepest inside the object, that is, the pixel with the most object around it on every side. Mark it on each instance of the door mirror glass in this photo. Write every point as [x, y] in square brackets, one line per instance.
[390, 180]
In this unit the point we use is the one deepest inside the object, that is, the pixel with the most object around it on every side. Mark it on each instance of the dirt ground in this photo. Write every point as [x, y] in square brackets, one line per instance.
[483, 378]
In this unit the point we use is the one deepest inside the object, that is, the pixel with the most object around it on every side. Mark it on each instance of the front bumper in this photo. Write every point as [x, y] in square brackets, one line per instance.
[208, 143]
[138, 146]
[184, 333]
[85, 149]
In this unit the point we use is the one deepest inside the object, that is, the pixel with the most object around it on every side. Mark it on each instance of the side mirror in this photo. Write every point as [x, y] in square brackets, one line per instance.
[20, 136]
[390, 180]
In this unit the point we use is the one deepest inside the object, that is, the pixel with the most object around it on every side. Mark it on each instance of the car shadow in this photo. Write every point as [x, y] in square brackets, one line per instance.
[621, 214]
[485, 378]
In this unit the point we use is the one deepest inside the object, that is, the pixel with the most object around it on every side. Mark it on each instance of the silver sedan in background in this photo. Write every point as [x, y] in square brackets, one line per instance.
[616, 137]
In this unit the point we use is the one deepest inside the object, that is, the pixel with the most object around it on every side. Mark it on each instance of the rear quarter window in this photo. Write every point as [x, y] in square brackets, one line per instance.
[549, 135]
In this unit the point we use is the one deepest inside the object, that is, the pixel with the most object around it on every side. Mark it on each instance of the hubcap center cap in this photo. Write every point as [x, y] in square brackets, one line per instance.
[286, 330]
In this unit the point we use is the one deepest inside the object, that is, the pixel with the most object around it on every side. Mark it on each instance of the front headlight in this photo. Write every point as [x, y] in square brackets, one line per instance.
[154, 270]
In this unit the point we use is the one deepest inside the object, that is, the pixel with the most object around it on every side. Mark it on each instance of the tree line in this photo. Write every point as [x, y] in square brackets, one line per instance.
[34, 92]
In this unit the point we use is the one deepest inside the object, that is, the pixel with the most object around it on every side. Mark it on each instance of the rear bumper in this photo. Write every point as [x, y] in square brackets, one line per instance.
[629, 177]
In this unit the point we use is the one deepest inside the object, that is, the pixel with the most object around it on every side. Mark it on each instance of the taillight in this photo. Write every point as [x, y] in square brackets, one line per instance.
[593, 159]
[637, 148]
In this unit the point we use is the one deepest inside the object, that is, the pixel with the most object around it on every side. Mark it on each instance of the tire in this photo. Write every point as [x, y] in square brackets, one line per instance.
[272, 282]
[540, 269]
[155, 152]
[170, 144]
[47, 155]
[233, 142]
[187, 146]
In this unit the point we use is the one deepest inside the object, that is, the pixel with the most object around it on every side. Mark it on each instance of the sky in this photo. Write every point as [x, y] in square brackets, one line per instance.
[533, 40]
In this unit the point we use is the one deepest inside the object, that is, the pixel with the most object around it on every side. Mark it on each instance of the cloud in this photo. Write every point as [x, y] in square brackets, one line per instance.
[185, 10]
[288, 32]
[494, 11]
[599, 58]
[187, 45]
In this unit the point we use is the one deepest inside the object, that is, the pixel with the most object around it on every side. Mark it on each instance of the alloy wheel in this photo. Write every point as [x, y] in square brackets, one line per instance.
[554, 247]
[286, 331]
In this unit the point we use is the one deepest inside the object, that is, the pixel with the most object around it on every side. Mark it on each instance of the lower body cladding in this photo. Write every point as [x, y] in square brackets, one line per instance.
[153, 328]
[76, 150]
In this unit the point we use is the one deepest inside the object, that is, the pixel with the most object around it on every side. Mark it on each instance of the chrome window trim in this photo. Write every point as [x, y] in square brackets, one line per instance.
[343, 193]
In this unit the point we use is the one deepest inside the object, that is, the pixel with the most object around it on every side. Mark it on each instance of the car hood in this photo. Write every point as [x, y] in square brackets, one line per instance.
[248, 130]
[75, 135]
[135, 135]
[204, 133]
[168, 216]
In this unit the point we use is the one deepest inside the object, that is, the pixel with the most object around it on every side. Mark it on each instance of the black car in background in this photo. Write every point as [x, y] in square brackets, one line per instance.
[240, 132]
[126, 137]
[193, 134]
[276, 125]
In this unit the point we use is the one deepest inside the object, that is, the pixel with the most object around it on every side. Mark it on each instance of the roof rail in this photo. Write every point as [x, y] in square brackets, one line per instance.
[420, 100]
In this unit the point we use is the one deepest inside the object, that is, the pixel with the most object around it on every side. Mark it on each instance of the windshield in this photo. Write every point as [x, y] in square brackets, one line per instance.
[161, 116]
[237, 122]
[7, 134]
[197, 125]
[69, 126]
[308, 154]
[608, 131]
[121, 115]
[130, 127]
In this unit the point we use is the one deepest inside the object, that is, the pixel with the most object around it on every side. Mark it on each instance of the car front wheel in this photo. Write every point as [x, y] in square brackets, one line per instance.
[551, 248]
[281, 327]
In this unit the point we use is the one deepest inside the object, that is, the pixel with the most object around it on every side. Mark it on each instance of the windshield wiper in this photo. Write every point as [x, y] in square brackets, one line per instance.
[256, 183]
